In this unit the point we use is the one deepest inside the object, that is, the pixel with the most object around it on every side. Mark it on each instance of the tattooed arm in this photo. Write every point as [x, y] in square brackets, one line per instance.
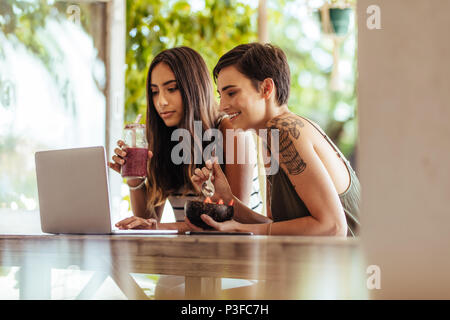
[289, 131]
[311, 181]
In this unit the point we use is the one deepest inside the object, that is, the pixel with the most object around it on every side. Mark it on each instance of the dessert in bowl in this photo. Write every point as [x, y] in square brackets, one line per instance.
[218, 211]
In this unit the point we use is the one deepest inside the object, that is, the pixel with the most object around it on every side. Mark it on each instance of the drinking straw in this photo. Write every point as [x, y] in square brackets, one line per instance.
[133, 130]
[138, 118]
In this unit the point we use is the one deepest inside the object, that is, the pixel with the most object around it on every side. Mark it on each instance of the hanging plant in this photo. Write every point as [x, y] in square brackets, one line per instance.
[334, 17]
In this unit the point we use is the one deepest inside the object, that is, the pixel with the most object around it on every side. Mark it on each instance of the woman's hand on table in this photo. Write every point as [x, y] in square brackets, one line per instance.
[190, 226]
[137, 223]
[226, 226]
[218, 178]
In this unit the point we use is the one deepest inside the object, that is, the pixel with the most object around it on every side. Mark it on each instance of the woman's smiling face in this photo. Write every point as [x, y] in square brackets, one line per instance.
[166, 95]
[240, 99]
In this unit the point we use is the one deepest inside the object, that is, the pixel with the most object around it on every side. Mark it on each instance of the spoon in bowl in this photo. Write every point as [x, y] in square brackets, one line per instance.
[207, 187]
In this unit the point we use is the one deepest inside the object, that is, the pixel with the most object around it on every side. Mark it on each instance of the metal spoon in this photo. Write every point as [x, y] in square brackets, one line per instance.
[207, 187]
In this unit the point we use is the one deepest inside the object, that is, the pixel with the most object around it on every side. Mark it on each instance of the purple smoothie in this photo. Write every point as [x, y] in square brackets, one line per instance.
[135, 163]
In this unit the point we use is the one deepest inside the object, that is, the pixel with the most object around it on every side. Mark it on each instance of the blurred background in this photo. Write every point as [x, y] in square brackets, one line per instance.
[57, 66]
[73, 72]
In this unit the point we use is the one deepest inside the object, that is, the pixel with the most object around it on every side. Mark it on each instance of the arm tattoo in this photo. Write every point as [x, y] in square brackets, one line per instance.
[289, 156]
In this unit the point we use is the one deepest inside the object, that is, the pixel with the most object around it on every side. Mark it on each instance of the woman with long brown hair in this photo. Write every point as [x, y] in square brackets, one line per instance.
[179, 93]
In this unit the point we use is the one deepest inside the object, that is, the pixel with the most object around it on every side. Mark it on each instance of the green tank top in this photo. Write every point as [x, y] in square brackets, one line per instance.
[286, 204]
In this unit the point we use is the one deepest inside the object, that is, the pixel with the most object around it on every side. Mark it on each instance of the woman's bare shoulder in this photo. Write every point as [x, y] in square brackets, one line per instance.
[290, 124]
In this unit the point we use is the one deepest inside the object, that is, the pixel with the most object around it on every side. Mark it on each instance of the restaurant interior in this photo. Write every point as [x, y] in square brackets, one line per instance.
[374, 74]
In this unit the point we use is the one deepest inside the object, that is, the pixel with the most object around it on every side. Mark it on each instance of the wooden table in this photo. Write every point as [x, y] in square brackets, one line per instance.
[291, 267]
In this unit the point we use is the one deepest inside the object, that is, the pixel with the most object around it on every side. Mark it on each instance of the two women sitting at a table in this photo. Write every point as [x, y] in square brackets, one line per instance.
[180, 95]
[314, 192]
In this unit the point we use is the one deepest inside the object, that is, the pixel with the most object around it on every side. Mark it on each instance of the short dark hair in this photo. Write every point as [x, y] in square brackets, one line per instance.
[257, 62]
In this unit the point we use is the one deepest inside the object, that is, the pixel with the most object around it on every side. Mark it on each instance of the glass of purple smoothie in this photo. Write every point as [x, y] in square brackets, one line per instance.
[135, 165]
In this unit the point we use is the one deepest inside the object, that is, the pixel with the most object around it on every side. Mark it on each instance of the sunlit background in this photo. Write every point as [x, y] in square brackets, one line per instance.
[54, 75]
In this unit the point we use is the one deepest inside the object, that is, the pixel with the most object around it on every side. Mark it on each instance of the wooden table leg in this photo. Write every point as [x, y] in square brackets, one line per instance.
[35, 281]
[126, 283]
[92, 286]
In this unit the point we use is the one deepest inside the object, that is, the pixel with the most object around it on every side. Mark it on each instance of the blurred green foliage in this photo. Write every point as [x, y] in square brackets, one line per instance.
[24, 20]
[213, 27]
[296, 29]
[25, 23]
[155, 25]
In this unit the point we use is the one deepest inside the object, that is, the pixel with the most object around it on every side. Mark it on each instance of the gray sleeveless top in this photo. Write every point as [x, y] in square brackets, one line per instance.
[286, 204]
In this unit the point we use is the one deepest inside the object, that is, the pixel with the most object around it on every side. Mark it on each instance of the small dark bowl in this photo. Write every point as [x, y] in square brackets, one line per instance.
[219, 212]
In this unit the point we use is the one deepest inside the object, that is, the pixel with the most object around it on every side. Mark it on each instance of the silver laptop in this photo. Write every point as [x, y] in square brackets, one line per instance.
[74, 194]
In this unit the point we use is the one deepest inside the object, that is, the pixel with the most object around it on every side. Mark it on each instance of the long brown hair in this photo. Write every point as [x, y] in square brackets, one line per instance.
[197, 93]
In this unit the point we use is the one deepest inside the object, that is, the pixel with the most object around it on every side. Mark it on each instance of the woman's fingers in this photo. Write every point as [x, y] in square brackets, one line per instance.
[114, 166]
[205, 172]
[118, 157]
[136, 223]
[217, 169]
[198, 172]
[123, 223]
[191, 226]
[120, 152]
[201, 175]
[152, 223]
[120, 143]
[118, 160]
[210, 221]
[197, 180]
[209, 164]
